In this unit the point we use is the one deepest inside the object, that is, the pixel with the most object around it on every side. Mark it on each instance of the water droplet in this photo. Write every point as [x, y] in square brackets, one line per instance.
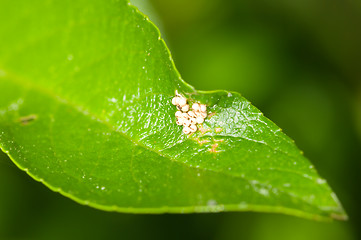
[264, 192]
[321, 181]
[113, 100]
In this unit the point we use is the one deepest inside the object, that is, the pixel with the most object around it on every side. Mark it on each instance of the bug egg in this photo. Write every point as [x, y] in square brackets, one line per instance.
[203, 114]
[179, 121]
[191, 114]
[175, 100]
[197, 114]
[185, 108]
[193, 120]
[199, 120]
[193, 128]
[203, 108]
[182, 101]
[195, 106]
[186, 130]
[186, 122]
[185, 115]
[178, 114]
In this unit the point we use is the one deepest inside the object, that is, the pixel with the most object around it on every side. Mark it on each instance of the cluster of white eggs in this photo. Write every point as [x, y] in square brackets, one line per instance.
[186, 117]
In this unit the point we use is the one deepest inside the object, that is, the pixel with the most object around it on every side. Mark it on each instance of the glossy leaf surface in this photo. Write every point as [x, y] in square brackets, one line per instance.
[85, 108]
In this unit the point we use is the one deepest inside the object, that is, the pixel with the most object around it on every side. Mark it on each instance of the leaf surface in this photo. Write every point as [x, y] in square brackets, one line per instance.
[85, 108]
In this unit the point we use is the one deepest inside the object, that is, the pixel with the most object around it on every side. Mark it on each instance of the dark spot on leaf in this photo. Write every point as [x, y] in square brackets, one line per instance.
[27, 119]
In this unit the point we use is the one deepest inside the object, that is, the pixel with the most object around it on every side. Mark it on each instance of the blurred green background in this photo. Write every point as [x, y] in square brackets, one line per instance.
[298, 61]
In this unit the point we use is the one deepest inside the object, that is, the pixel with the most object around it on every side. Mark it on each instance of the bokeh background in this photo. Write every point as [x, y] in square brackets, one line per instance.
[298, 61]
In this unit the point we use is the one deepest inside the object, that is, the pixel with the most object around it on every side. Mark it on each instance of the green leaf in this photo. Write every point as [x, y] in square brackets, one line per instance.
[85, 108]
